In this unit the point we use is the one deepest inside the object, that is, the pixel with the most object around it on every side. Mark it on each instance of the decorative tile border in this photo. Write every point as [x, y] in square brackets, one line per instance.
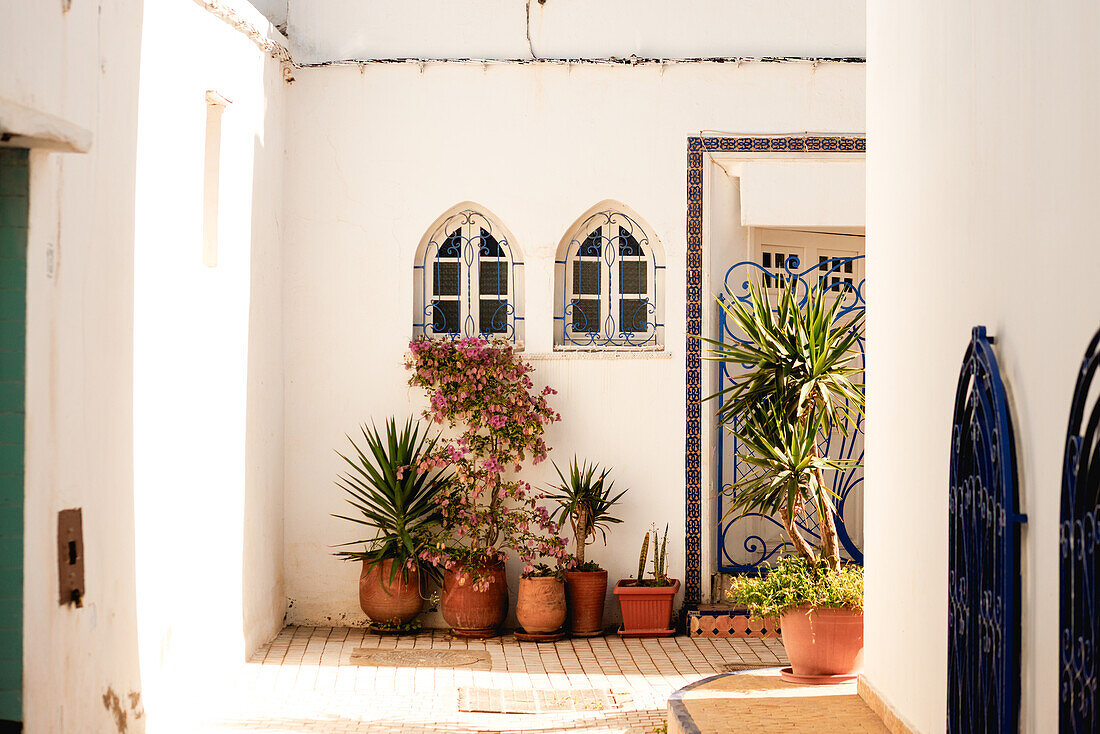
[696, 148]
[730, 623]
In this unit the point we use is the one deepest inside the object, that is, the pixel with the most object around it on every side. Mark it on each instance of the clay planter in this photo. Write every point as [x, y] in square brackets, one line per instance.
[472, 613]
[824, 645]
[540, 604]
[585, 591]
[385, 603]
[647, 610]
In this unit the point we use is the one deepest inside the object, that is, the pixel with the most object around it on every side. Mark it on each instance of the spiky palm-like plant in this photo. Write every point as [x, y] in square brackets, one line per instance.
[585, 498]
[394, 498]
[798, 384]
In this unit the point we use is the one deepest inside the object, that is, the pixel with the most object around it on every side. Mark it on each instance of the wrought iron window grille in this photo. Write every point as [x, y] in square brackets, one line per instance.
[1079, 669]
[609, 279]
[467, 281]
[761, 537]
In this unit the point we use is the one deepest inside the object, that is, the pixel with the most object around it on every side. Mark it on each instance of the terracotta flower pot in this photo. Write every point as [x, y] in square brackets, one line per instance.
[540, 604]
[647, 610]
[386, 603]
[585, 591]
[824, 645]
[472, 612]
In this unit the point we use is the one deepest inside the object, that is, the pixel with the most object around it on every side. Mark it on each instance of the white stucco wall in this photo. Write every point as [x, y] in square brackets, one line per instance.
[380, 152]
[208, 439]
[981, 198]
[324, 30]
[79, 357]
[152, 440]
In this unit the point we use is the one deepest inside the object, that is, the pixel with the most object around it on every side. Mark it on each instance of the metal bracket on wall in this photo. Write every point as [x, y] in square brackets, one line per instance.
[70, 556]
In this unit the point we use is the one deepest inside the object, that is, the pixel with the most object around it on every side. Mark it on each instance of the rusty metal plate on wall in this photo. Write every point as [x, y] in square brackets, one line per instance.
[70, 556]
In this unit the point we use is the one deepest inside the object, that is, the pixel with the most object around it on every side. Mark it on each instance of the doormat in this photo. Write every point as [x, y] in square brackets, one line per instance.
[475, 659]
[734, 667]
[528, 701]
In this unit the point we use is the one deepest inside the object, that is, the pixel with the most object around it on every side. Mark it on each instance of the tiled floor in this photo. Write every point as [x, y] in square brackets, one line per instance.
[305, 681]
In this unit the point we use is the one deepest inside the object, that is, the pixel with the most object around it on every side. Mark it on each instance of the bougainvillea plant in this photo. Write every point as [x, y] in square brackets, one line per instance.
[482, 390]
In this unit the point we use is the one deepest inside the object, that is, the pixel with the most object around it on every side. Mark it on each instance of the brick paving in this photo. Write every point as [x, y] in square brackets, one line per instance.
[305, 681]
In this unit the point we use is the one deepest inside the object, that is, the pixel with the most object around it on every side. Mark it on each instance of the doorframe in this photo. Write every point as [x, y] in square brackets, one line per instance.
[699, 444]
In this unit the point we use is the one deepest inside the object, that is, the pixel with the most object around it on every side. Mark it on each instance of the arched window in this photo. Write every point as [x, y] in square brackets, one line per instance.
[468, 278]
[609, 273]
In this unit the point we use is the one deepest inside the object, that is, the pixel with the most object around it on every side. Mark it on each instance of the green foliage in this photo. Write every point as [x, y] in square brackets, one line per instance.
[799, 362]
[585, 499]
[660, 577]
[394, 498]
[642, 556]
[414, 625]
[794, 582]
[659, 552]
[542, 570]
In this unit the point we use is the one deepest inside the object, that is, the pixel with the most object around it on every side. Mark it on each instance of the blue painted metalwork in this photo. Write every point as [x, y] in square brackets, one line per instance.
[609, 285]
[1080, 603]
[740, 536]
[983, 609]
[468, 279]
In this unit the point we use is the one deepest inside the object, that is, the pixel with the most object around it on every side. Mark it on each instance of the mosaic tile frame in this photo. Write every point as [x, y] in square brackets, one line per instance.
[697, 147]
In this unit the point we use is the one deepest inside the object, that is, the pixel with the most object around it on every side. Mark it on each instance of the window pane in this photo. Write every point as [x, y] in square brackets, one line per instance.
[592, 245]
[586, 315]
[445, 277]
[633, 315]
[633, 276]
[494, 317]
[451, 245]
[586, 277]
[629, 246]
[489, 247]
[445, 317]
[494, 277]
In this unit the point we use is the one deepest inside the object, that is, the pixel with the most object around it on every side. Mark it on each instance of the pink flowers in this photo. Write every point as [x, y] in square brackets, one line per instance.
[484, 388]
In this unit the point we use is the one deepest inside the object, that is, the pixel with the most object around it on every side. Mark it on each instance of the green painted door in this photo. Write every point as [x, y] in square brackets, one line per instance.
[13, 310]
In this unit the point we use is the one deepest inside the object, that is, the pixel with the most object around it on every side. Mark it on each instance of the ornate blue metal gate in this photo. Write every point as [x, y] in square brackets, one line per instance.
[1079, 538]
[749, 542]
[983, 606]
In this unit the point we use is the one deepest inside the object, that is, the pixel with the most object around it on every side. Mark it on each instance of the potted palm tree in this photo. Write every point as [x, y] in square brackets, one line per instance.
[397, 501]
[799, 361]
[585, 499]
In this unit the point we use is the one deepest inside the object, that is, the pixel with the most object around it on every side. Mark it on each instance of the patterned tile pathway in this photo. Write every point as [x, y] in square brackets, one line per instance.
[306, 681]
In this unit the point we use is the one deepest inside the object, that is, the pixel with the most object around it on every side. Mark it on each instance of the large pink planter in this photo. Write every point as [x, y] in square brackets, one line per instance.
[824, 645]
[647, 610]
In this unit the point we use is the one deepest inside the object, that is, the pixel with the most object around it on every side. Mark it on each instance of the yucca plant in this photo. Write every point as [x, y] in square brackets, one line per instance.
[394, 498]
[585, 499]
[799, 383]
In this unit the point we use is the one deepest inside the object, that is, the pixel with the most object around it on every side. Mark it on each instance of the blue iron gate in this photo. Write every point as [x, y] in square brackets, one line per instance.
[983, 606]
[1077, 711]
[749, 542]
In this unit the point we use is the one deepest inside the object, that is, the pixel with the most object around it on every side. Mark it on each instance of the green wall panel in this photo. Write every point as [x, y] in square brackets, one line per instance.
[13, 299]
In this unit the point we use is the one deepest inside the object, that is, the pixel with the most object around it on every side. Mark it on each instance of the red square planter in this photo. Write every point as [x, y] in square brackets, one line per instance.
[647, 610]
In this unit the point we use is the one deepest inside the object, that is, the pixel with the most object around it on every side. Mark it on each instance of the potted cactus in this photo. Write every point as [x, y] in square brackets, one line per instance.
[646, 603]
